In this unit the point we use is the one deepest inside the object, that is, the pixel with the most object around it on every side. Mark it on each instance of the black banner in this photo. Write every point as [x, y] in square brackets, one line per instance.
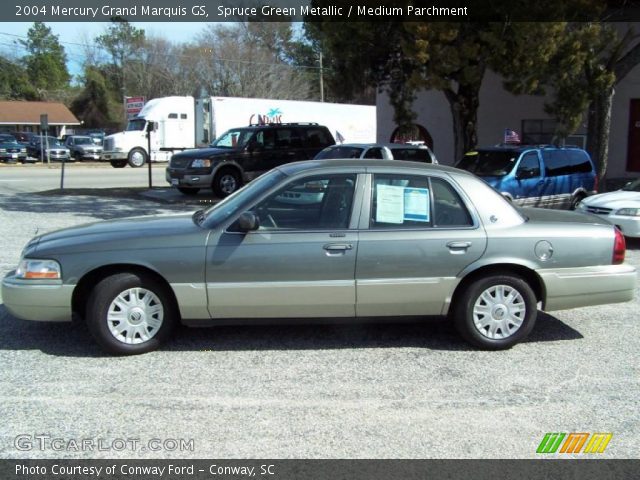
[318, 469]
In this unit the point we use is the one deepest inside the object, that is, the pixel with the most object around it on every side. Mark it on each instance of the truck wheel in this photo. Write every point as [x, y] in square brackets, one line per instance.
[495, 312]
[118, 163]
[188, 191]
[226, 182]
[130, 313]
[137, 157]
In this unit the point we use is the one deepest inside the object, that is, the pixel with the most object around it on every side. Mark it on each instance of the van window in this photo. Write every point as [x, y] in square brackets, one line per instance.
[529, 163]
[566, 162]
[288, 138]
[411, 154]
[183, 116]
[173, 115]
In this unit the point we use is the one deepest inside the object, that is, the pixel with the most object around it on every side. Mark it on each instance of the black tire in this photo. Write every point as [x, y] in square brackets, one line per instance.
[575, 201]
[137, 157]
[226, 182]
[77, 157]
[465, 319]
[101, 300]
[188, 191]
[118, 163]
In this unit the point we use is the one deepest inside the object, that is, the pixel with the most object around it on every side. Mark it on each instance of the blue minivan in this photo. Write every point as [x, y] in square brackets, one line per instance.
[535, 176]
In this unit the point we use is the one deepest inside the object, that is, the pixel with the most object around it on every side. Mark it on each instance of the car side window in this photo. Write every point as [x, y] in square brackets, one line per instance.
[566, 162]
[311, 203]
[317, 137]
[416, 202]
[529, 166]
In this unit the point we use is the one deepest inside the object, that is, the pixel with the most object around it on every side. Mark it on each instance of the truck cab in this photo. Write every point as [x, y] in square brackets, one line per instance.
[174, 126]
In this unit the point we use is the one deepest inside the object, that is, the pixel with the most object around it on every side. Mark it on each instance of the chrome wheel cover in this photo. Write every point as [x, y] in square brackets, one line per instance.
[137, 158]
[499, 312]
[135, 316]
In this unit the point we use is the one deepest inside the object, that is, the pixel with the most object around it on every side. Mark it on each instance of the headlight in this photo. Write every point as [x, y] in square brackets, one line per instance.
[201, 163]
[30, 268]
[629, 212]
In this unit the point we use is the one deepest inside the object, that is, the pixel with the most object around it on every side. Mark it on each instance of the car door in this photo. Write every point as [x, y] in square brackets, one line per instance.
[418, 232]
[300, 262]
[530, 183]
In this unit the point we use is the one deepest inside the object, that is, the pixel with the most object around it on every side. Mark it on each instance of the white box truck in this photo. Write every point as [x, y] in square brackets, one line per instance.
[184, 122]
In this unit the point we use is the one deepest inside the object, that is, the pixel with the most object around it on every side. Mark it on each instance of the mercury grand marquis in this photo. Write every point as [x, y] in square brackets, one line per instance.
[374, 239]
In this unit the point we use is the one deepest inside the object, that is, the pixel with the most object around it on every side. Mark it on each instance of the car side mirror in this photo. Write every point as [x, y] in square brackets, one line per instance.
[248, 222]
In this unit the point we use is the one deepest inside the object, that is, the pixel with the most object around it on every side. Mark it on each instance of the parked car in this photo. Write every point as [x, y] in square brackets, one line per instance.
[535, 176]
[83, 147]
[388, 151]
[23, 138]
[10, 150]
[56, 151]
[620, 208]
[386, 239]
[242, 154]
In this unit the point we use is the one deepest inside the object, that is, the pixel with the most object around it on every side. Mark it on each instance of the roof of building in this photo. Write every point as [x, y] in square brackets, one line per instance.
[28, 113]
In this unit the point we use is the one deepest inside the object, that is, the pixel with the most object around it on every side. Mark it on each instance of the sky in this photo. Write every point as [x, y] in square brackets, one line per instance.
[70, 34]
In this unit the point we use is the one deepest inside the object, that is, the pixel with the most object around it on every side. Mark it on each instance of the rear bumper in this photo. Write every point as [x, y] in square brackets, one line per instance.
[46, 301]
[586, 286]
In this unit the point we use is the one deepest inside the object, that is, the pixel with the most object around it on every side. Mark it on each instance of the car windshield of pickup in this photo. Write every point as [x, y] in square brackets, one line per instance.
[236, 138]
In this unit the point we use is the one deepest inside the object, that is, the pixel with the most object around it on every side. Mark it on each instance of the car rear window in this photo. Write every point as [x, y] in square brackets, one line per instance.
[489, 163]
[411, 154]
[339, 152]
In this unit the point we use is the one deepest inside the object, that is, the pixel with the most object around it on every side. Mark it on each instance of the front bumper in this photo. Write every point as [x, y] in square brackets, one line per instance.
[180, 178]
[13, 157]
[90, 156]
[111, 155]
[586, 286]
[39, 300]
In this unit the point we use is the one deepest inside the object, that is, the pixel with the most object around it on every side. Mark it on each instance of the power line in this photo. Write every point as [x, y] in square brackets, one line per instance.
[184, 55]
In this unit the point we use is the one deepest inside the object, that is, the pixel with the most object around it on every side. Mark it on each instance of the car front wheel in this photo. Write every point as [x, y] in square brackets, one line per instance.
[225, 183]
[131, 313]
[495, 312]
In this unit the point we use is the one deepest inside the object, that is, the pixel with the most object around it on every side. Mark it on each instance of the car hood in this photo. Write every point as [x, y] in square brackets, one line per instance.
[205, 152]
[617, 199]
[547, 215]
[128, 233]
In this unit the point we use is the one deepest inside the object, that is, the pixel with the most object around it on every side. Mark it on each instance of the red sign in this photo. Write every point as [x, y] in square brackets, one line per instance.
[133, 105]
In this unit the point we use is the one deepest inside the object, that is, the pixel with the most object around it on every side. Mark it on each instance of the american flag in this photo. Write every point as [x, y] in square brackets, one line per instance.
[511, 136]
[339, 137]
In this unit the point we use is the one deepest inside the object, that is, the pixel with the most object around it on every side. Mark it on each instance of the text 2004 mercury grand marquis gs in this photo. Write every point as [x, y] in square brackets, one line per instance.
[317, 239]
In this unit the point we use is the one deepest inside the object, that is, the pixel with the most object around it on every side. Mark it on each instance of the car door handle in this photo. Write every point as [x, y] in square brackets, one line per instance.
[458, 247]
[337, 248]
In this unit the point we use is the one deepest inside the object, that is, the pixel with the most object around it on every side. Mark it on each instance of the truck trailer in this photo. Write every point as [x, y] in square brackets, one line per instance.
[181, 123]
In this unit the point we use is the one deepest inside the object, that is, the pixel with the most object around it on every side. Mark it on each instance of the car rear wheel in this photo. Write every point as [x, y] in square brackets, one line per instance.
[188, 191]
[225, 183]
[575, 201]
[118, 163]
[495, 312]
[137, 157]
[131, 313]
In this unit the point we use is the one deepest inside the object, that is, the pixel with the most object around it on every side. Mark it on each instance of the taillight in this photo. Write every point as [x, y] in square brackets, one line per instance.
[619, 247]
[596, 184]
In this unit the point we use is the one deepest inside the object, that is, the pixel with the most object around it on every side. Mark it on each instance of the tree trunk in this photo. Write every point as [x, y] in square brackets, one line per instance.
[598, 128]
[464, 111]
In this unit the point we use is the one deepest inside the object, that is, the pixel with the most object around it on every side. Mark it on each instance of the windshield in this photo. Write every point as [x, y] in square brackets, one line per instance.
[339, 152]
[236, 138]
[7, 138]
[241, 199]
[83, 141]
[488, 163]
[136, 125]
[632, 186]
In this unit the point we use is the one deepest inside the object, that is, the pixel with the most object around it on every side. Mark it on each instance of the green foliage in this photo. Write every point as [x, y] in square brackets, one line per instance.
[14, 82]
[46, 61]
[95, 105]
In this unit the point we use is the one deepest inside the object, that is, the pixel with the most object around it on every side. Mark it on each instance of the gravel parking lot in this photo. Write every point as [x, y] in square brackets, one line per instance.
[374, 391]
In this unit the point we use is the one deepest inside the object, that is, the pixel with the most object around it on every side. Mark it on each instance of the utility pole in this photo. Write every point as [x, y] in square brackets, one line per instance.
[321, 81]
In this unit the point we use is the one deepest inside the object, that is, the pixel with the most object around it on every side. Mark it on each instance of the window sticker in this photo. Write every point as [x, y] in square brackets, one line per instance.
[390, 204]
[416, 204]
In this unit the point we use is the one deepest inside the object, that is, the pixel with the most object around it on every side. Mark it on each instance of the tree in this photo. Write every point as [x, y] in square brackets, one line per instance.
[124, 44]
[46, 60]
[95, 105]
[14, 82]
